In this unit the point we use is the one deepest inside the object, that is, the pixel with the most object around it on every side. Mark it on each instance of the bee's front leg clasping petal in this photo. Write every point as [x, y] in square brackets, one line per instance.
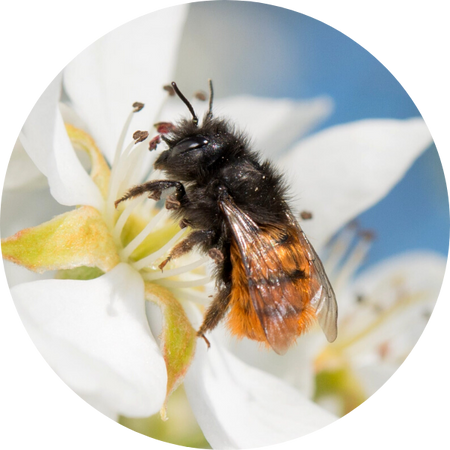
[154, 189]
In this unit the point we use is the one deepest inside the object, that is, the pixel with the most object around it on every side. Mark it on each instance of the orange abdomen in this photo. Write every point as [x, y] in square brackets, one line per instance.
[242, 318]
[286, 259]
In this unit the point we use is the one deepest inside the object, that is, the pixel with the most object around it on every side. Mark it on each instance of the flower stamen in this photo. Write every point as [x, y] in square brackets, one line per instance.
[129, 249]
[184, 284]
[191, 295]
[354, 260]
[132, 163]
[144, 262]
[115, 179]
[178, 271]
[118, 227]
[137, 107]
[140, 136]
[124, 170]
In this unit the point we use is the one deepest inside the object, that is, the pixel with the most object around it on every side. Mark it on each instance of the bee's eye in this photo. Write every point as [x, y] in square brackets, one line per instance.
[190, 144]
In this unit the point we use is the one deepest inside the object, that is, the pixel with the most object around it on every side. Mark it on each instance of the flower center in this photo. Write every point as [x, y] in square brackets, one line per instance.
[144, 232]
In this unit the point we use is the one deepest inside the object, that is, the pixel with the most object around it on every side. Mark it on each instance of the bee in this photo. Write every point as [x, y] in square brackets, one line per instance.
[270, 283]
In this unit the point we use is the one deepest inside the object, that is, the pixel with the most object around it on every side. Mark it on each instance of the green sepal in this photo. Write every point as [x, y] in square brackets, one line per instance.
[178, 338]
[77, 238]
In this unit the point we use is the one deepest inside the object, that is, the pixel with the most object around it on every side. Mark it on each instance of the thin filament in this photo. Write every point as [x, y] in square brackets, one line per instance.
[118, 227]
[158, 275]
[184, 284]
[129, 249]
[138, 265]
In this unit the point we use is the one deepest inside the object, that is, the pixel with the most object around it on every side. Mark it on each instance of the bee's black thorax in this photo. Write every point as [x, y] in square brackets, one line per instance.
[226, 161]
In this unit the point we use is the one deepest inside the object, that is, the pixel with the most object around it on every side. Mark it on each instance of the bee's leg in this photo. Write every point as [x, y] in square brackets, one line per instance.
[216, 255]
[155, 189]
[216, 311]
[186, 245]
[172, 202]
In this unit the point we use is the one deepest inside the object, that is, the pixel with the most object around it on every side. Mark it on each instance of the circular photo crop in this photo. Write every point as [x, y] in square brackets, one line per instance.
[224, 225]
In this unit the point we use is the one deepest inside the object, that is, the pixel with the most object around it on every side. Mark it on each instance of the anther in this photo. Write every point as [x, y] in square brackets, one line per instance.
[137, 106]
[140, 136]
[306, 215]
[200, 95]
[367, 235]
[170, 90]
[164, 127]
[154, 142]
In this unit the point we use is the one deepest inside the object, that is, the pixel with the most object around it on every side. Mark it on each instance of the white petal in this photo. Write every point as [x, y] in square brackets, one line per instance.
[342, 171]
[372, 377]
[45, 140]
[416, 271]
[296, 367]
[132, 63]
[238, 406]
[22, 173]
[409, 282]
[95, 335]
[273, 124]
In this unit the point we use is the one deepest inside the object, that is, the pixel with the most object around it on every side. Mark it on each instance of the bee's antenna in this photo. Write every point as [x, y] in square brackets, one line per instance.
[186, 102]
[211, 96]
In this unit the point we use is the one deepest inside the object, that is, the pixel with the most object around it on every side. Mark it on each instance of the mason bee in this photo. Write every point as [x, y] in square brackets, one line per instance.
[271, 285]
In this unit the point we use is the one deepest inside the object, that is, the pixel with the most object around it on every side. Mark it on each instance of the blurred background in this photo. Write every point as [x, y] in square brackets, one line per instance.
[253, 48]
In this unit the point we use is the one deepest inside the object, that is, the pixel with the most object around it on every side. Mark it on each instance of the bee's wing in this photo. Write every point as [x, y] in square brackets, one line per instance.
[324, 300]
[282, 278]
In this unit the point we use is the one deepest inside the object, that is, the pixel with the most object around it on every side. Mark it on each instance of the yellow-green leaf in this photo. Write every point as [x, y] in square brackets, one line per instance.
[76, 238]
[178, 338]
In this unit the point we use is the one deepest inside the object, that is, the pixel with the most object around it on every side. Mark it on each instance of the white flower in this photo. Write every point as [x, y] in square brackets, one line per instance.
[383, 313]
[95, 332]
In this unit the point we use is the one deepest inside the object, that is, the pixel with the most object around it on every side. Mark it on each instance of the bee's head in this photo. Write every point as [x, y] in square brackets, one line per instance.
[193, 149]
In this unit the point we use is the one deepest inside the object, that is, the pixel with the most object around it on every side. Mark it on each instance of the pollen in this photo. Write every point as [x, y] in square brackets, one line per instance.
[140, 136]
